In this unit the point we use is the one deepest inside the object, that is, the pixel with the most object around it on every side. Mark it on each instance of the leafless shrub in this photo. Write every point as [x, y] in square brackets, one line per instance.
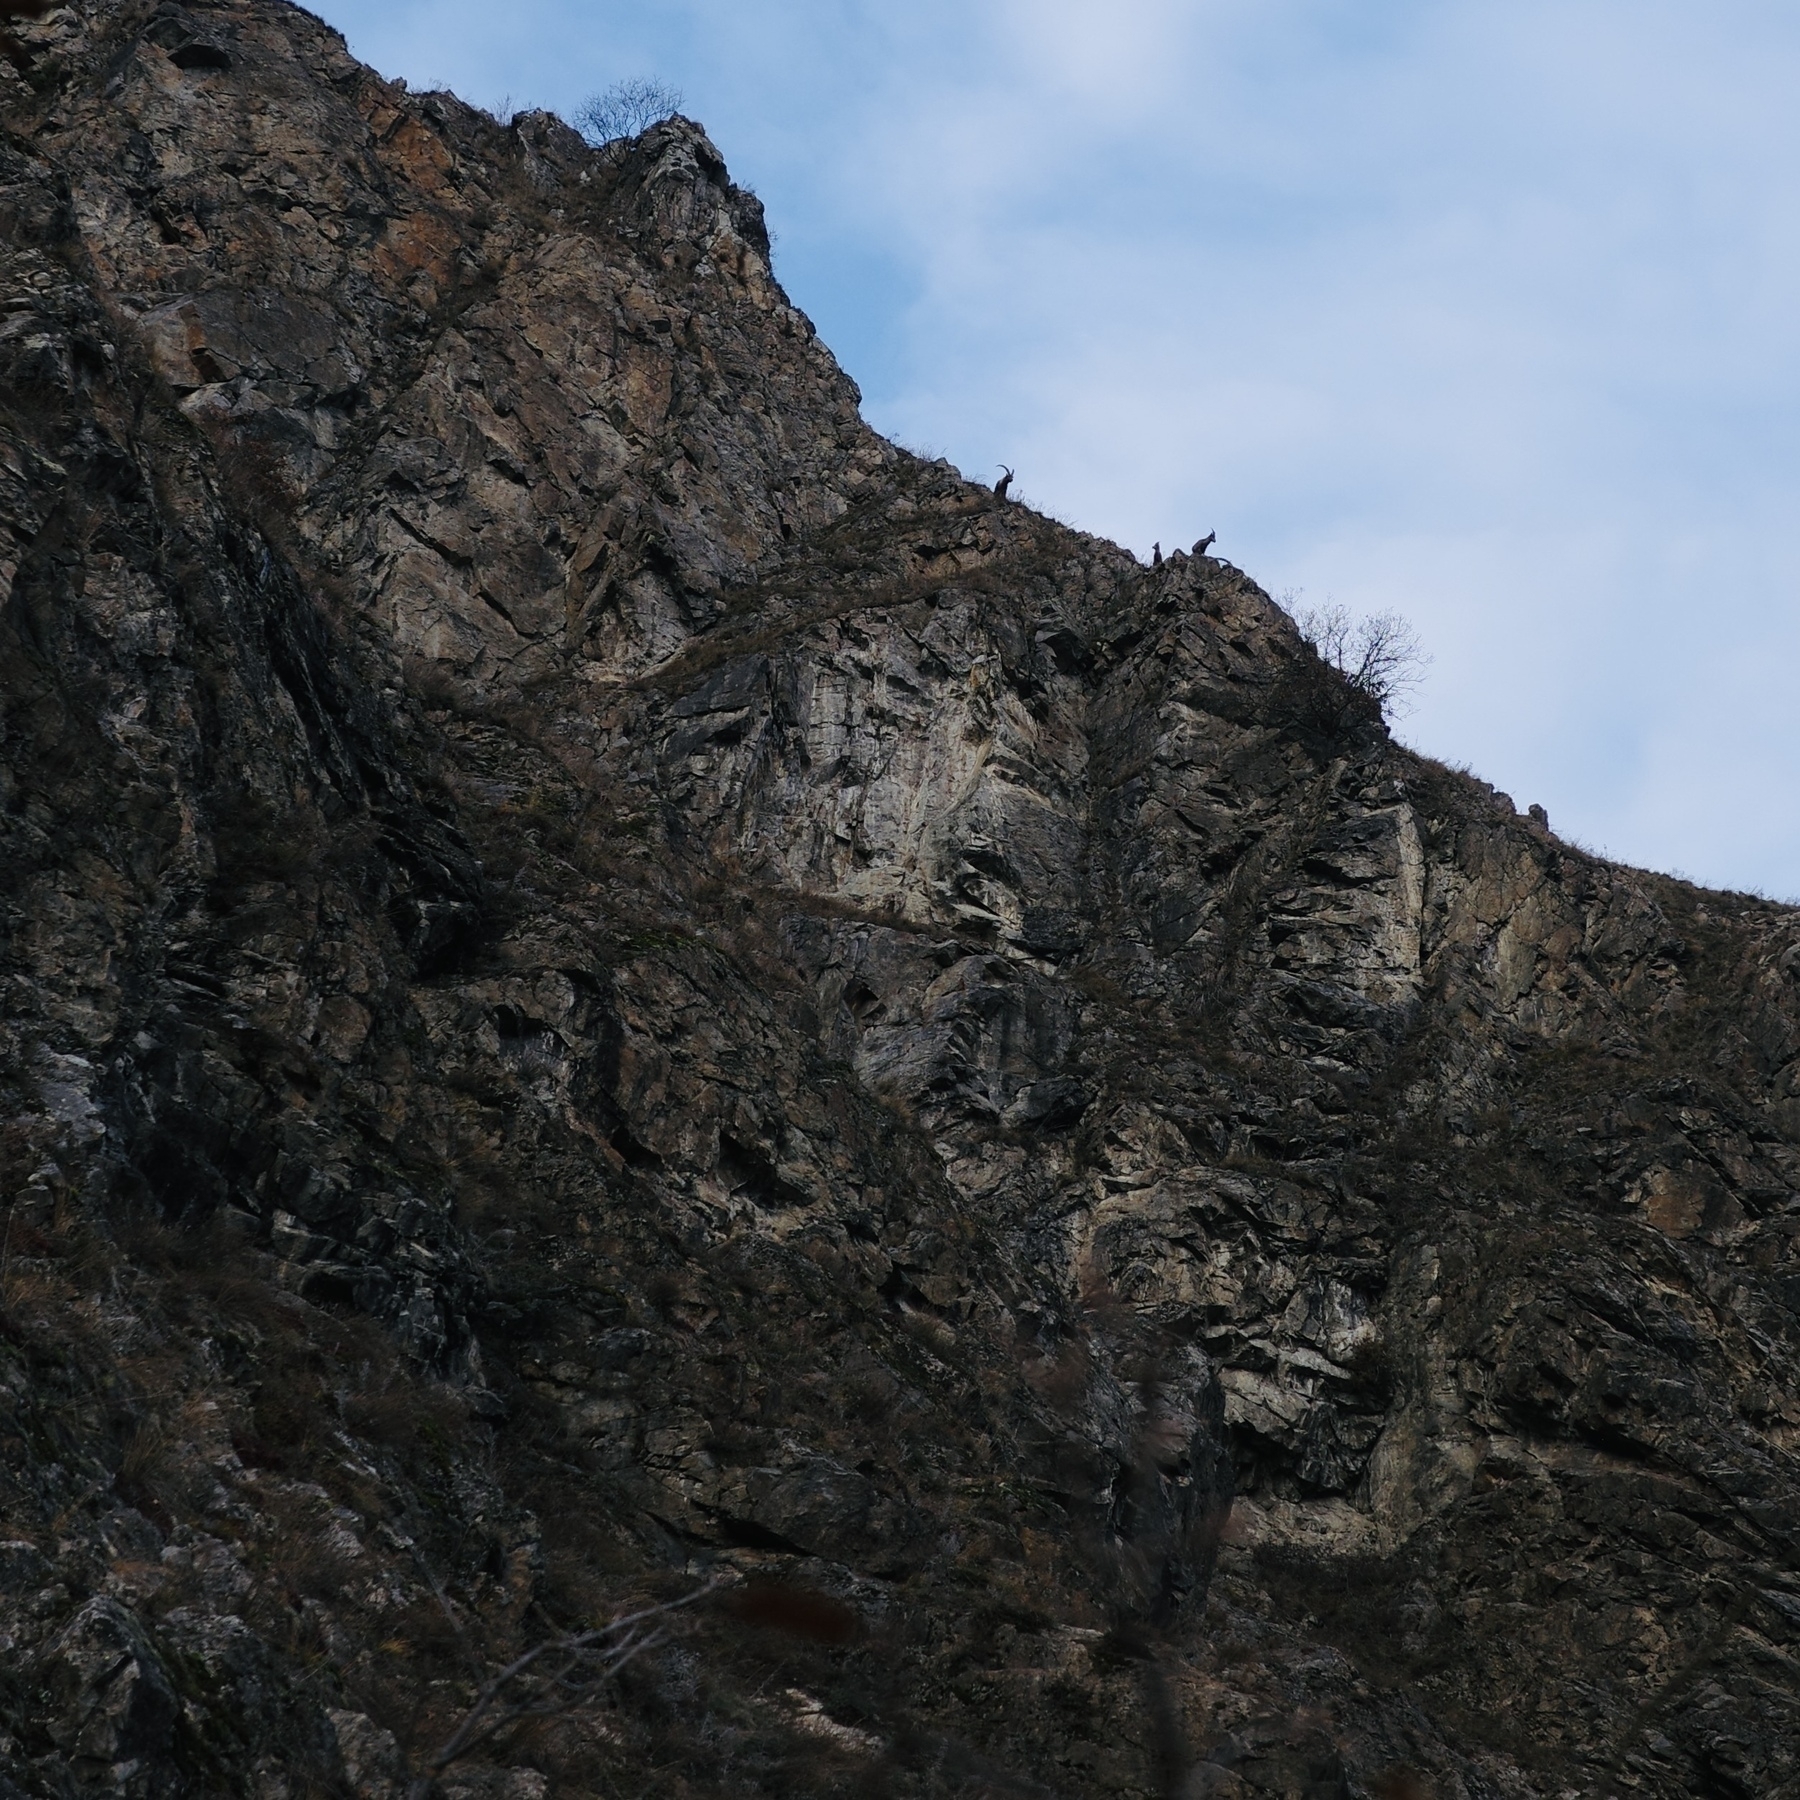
[142, 1471]
[556, 1676]
[627, 109]
[1379, 655]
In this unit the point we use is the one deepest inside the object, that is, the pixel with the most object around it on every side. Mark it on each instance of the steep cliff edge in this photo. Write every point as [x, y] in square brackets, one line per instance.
[611, 981]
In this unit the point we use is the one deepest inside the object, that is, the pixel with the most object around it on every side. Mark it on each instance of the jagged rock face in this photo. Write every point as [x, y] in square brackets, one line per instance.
[608, 977]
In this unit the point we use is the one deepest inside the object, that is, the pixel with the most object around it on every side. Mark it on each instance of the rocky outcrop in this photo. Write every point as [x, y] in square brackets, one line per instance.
[611, 982]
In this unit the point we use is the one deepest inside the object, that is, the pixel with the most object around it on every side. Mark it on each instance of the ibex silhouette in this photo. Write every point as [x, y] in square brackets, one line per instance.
[1205, 544]
[1003, 483]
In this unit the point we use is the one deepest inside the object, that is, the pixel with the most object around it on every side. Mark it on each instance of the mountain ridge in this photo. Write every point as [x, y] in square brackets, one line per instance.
[612, 981]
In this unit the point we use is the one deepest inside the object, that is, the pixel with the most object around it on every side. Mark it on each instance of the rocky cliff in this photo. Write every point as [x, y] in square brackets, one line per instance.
[612, 984]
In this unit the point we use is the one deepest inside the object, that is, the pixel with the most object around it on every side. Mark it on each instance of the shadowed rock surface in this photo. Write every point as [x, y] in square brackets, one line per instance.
[609, 979]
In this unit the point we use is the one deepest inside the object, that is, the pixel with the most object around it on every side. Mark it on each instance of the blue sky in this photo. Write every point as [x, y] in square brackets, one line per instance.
[1484, 313]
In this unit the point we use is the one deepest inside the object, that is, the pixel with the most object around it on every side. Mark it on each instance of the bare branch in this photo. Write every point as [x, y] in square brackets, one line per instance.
[627, 109]
[1379, 655]
[584, 1662]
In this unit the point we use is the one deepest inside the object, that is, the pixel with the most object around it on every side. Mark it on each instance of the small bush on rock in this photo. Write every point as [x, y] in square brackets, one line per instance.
[1348, 677]
[627, 109]
[1379, 656]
